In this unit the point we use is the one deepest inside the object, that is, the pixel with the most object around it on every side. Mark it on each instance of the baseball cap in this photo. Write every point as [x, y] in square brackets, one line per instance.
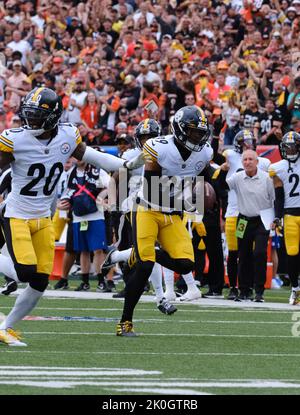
[57, 59]
[121, 125]
[242, 68]
[291, 9]
[38, 68]
[72, 61]
[124, 111]
[144, 62]
[17, 63]
[167, 37]
[185, 70]
[128, 79]
[276, 34]
[296, 2]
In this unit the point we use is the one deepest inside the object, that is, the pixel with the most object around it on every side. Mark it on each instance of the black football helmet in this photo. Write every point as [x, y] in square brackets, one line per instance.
[148, 128]
[244, 140]
[289, 146]
[190, 127]
[40, 110]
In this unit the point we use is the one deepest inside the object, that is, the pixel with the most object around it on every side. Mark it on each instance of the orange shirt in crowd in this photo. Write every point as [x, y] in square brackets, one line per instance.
[150, 97]
[90, 115]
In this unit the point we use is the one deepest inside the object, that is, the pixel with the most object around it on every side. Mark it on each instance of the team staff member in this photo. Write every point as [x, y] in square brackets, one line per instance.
[255, 192]
[37, 153]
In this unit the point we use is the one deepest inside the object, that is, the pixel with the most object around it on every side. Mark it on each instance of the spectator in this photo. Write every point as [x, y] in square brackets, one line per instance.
[77, 99]
[109, 107]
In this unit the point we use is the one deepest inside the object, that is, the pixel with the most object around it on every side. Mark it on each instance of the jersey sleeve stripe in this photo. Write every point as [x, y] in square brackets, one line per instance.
[6, 142]
[78, 139]
[5, 148]
[150, 149]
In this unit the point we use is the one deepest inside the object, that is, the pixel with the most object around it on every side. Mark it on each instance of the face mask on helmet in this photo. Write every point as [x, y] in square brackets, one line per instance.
[290, 147]
[244, 141]
[190, 128]
[39, 116]
[145, 130]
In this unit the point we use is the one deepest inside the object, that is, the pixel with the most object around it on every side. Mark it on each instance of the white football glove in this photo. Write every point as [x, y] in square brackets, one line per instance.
[137, 162]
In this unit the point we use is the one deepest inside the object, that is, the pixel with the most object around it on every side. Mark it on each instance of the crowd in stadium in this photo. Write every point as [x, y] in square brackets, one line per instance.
[117, 64]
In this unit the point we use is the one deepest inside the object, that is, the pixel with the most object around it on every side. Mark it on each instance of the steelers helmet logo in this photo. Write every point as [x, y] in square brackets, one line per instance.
[65, 148]
[178, 116]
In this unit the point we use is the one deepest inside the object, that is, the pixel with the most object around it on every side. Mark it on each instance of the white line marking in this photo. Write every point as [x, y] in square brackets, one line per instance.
[17, 350]
[93, 319]
[151, 299]
[176, 391]
[78, 333]
[182, 310]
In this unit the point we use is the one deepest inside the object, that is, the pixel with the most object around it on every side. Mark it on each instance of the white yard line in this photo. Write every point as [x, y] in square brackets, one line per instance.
[99, 333]
[151, 299]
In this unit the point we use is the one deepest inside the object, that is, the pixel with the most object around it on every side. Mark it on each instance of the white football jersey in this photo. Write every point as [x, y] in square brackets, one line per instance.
[36, 169]
[235, 164]
[289, 174]
[164, 151]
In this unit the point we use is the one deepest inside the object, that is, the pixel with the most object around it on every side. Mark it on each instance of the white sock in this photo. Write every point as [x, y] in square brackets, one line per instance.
[25, 302]
[169, 279]
[119, 256]
[189, 280]
[7, 267]
[156, 281]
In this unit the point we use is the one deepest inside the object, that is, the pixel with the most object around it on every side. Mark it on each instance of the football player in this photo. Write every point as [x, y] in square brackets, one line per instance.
[37, 152]
[286, 177]
[185, 153]
[148, 128]
[243, 140]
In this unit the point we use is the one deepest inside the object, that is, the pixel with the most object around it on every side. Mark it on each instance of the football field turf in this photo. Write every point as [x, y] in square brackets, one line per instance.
[201, 349]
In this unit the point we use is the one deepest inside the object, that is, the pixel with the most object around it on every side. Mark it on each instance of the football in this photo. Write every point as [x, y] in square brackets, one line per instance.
[208, 194]
[210, 197]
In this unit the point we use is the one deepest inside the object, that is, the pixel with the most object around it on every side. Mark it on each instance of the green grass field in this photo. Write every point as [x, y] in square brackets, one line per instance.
[200, 349]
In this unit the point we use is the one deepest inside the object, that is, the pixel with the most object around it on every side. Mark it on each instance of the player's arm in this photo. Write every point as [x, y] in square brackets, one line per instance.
[105, 161]
[279, 200]
[5, 159]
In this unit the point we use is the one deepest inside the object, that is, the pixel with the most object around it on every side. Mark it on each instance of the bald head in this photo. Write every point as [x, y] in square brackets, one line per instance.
[250, 162]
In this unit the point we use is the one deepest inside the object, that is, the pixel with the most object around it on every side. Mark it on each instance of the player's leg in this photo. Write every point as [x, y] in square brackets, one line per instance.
[232, 259]
[145, 226]
[177, 250]
[31, 244]
[162, 303]
[292, 239]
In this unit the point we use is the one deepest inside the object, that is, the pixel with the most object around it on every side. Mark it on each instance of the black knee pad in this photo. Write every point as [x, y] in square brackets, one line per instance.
[39, 282]
[184, 266]
[25, 272]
